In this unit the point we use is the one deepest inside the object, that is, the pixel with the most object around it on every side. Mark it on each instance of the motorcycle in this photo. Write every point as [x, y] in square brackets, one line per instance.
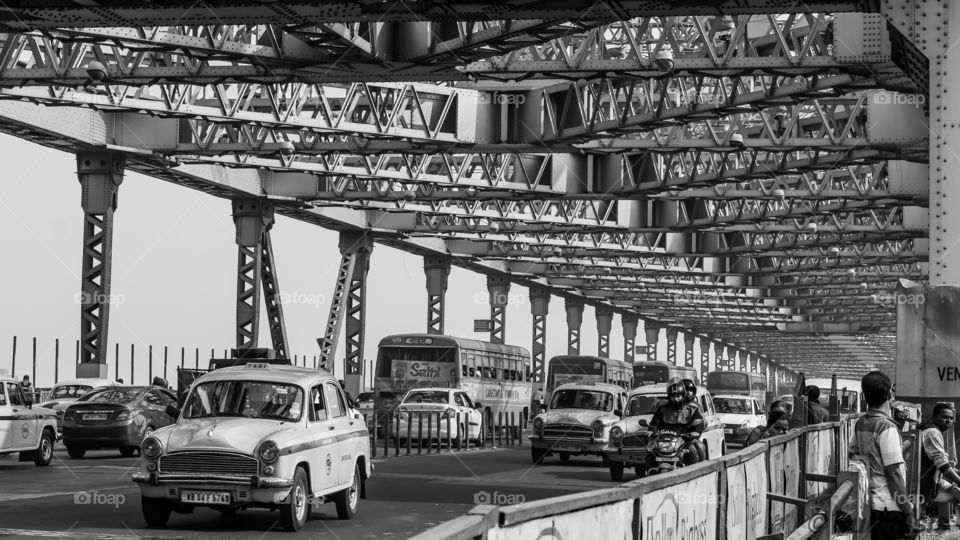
[668, 450]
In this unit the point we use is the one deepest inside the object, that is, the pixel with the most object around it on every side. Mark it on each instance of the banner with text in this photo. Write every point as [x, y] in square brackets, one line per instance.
[784, 478]
[611, 521]
[685, 510]
[412, 373]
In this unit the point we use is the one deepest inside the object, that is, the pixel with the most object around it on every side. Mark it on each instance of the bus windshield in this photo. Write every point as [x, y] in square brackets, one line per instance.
[569, 370]
[653, 374]
[728, 381]
[410, 367]
[582, 399]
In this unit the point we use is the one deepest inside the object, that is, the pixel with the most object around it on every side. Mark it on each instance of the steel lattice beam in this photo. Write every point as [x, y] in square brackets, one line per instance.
[273, 298]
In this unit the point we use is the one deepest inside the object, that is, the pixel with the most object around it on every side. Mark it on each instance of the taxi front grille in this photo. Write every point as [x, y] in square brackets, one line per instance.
[634, 441]
[221, 463]
[567, 432]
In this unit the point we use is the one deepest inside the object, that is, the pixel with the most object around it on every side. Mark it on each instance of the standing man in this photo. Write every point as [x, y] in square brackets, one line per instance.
[938, 477]
[540, 401]
[816, 414]
[876, 442]
[27, 387]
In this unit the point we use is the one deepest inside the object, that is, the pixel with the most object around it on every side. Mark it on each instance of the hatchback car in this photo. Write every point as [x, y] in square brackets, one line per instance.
[739, 414]
[258, 436]
[115, 417]
[420, 409]
[628, 442]
[26, 429]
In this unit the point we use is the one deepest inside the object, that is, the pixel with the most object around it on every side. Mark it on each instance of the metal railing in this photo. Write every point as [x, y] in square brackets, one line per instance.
[396, 433]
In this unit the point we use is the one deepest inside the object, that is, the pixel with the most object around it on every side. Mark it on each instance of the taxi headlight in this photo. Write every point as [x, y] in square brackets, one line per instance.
[744, 427]
[616, 436]
[538, 425]
[268, 452]
[598, 428]
[151, 448]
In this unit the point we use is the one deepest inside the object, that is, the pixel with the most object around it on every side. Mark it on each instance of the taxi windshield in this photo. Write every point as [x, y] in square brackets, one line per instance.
[643, 404]
[112, 395]
[732, 406]
[427, 396]
[70, 391]
[251, 399]
[582, 399]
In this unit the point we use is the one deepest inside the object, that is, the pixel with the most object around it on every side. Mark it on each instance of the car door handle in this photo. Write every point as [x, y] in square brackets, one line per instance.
[331, 428]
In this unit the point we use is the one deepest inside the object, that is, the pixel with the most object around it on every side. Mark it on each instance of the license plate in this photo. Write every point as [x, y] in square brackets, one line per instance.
[568, 447]
[205, 497]
[727, 431]
[94, 417]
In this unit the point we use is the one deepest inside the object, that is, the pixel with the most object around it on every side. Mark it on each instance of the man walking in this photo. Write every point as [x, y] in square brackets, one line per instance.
[876, 442]
[816, 414]
[939, 477]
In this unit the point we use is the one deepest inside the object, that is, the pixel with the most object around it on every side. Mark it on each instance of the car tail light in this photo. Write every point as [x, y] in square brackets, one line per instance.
[122, 415]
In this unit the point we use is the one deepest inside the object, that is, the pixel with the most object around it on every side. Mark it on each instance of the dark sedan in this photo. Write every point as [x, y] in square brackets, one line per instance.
[116, 417]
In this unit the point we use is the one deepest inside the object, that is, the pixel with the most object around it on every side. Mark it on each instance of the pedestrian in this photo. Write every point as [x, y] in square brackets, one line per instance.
[778, 423]
[350, 402]
[540, 406]
[939, 478]
[876, 443]
[816, 414]
[27, 387]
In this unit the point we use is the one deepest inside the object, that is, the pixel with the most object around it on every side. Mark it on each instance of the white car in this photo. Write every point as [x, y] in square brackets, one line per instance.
[577, 421]
[628, 439]
[26, 429]
[258, 436]
[426, 412]
[67, 392]
[739, 414]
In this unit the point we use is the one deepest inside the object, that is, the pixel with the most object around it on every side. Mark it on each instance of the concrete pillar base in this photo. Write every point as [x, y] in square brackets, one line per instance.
[92, 371]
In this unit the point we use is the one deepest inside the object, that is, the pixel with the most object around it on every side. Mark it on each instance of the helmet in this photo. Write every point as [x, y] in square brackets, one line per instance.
[690, 386]
[675, 391]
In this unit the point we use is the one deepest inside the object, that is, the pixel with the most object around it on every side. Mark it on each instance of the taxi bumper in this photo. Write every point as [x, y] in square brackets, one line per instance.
[594, 446]
[242, 489]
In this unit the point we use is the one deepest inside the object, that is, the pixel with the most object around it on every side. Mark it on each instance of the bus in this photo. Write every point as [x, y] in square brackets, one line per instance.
[568, 369]
[646, 373]
[848, 393]
[738, 382]
[496, 377]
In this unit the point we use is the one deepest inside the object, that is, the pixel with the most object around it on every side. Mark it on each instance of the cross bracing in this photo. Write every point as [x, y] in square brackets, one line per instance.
[729, 175]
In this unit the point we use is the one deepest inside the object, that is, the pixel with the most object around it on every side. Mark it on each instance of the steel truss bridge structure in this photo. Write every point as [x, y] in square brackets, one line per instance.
[753, 174]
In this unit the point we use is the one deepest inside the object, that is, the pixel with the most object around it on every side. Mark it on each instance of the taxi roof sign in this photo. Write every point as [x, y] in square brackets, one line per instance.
[257, 365]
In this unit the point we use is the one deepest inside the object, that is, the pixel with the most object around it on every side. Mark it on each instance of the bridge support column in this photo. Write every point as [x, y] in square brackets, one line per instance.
[437, 269]
[653, 335]
[271, 297]
[499, 289]
[539, 305]
[629, 337]
[252, 218]
[574, 321]
[604, 323]
[100, 175]
[688, 341]
[672, 335]
[704, 359]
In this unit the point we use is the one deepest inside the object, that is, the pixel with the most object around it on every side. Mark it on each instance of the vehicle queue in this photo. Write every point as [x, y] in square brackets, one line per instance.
[266, 434]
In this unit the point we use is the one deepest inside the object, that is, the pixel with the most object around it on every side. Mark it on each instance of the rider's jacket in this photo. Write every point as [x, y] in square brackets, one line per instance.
[685, 418]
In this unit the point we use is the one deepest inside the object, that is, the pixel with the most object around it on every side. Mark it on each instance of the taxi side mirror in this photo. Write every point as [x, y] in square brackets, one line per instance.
[618, 413]
[644, 423]
[477, 406]
[172, 411]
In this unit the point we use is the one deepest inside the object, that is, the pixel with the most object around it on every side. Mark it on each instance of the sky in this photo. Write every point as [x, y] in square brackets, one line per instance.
[174, 278]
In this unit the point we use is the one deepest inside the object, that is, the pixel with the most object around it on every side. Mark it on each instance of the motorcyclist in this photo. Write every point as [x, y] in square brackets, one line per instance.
[677, 415]
[691, 399]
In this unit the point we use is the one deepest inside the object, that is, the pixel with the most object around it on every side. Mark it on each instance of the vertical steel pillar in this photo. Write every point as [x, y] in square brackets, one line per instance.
[688, 340]
[437, 269]
[574, 309]
[100, 175]
[704, 359]
[499, 289]
[653, 335]
[252, 218]
[672, 336]
[604, 315]
[271, 297]
[539, 305]
[360, 245]
[629, 337]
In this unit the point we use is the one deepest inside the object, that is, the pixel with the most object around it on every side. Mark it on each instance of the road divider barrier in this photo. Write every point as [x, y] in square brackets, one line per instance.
[396, 433]
[790, 486]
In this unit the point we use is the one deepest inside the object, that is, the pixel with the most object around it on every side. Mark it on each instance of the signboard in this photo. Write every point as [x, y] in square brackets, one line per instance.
[746, 499]
[819, 458]
[685, 510]
[566, 378]
[410, 373]
[481, 325]
[613, 521]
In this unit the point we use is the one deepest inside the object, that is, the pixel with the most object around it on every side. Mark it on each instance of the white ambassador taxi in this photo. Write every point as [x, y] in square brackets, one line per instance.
[577, 421]
[628, 439]
[740, 415]
[26, 429]
[257, 436]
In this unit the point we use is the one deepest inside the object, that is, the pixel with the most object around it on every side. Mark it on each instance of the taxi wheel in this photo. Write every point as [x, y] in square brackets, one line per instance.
[479, 441]
[349, 499]
[293, 514]
[156, 512]
[76, 452]
[564, 457]
[606, 461]
[537, 455]
[616, 471]
[44, 453]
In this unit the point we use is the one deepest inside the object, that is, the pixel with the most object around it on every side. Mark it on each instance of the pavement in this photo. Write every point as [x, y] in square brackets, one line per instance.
[94, 497]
